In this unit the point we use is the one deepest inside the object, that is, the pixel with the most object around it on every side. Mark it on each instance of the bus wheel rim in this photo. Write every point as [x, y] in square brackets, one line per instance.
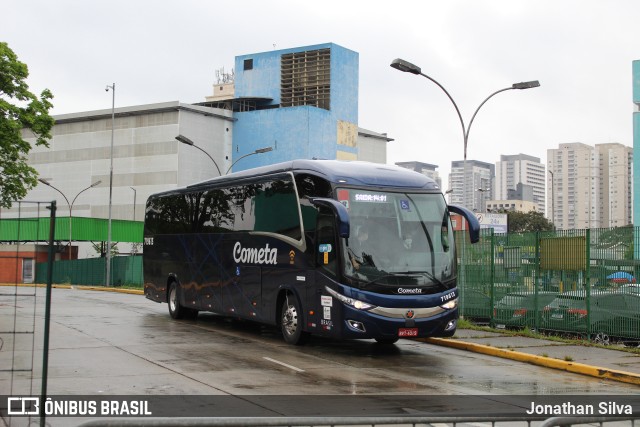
[172, 298]
[290, 320]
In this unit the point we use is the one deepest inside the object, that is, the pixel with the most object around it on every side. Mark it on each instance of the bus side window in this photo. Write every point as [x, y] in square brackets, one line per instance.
[326, 247]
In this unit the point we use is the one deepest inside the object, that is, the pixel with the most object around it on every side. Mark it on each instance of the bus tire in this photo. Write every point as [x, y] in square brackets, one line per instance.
[177, 310]
[291, 321]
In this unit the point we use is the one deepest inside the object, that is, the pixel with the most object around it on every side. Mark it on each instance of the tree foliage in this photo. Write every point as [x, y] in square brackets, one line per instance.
[520, 222]
[19, 109]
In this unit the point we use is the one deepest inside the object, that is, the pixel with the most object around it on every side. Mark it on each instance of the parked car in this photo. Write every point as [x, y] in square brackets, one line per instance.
[612, 315]
[519, 309]
[631, 288]
[475, 305]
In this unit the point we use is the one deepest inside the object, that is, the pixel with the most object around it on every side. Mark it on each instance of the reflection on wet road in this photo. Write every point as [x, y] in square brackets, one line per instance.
[124, 344]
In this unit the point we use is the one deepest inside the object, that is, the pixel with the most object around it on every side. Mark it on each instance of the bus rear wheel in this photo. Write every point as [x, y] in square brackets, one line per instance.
[291, 321]
[177, 310]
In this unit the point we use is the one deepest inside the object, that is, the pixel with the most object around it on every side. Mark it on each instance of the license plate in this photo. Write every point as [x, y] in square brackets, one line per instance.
[408, 332]
[557, 316]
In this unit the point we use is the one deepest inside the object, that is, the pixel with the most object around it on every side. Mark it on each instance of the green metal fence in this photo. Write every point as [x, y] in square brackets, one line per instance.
[125, 270]
[578, 282]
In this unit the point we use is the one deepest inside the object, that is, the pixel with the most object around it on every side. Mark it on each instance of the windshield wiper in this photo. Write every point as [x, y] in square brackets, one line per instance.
[430, 276]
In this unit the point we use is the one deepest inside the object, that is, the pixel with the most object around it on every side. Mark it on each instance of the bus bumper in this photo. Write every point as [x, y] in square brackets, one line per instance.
[359, 324]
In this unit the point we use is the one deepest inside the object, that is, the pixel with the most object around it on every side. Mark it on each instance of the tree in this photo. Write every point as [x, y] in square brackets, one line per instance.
[520, 222]
[19, 109]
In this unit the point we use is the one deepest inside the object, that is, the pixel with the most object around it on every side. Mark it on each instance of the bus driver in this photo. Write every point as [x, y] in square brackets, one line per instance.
[358, 246]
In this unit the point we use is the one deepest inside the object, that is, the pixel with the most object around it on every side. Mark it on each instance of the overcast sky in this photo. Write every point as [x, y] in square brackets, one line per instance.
[580, 50]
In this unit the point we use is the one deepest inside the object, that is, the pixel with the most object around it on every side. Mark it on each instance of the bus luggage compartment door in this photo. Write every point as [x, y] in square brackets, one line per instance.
[242, 295]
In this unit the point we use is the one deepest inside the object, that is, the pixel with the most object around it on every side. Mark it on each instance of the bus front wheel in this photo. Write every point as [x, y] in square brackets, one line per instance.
[291, 321]
[177, 310]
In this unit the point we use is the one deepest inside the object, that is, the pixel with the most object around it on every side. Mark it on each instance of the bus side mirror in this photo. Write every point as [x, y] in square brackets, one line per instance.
[474, 224]
[342, 216]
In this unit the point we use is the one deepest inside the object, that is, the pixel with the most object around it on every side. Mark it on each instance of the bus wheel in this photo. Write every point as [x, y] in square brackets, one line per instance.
[176, 310]
[291, 321]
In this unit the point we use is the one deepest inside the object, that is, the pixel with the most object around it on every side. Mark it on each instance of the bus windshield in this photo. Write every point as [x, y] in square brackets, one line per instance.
[398, 238]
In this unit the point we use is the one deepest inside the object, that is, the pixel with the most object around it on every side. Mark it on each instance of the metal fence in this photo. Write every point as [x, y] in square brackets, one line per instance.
[125, 270]
[20, 314]
[578, 282]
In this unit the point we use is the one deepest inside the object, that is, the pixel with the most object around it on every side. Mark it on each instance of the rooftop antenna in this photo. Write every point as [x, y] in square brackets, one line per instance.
[222, 77]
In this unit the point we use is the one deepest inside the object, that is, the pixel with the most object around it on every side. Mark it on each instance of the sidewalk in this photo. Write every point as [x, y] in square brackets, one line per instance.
[606, 363]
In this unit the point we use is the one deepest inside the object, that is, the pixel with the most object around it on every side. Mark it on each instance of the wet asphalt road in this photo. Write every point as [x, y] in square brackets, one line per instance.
[105, 343]
[125, 344]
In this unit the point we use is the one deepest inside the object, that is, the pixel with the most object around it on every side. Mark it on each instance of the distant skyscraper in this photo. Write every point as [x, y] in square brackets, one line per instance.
[472, 186]
[590, 187]
[635, 79]
[521, 169]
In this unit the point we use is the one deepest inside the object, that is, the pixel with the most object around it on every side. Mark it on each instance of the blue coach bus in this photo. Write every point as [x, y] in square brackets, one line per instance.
[340, 249]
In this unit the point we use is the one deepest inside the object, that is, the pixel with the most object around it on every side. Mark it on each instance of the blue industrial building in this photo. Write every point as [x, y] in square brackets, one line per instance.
[302, 102]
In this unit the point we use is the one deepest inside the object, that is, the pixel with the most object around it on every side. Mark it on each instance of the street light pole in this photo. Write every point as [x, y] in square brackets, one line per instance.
[187, 141]
[113, 122]
[69, 204]
[134, 203]
[408, 67]
[258, 151]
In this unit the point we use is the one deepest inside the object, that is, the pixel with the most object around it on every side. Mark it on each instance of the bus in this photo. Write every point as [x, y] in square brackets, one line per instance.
[340, 249]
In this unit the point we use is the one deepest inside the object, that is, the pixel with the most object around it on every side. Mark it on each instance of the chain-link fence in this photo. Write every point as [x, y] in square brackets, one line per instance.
[578, 282]
[20, 314]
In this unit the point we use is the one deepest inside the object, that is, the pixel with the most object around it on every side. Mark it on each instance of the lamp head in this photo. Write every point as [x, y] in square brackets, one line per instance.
[263, 150]
[184, 140]
[405, 66]
[525, 85]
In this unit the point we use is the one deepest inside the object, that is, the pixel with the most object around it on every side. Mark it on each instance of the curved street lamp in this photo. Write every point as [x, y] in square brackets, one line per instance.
[187, 141]
[69, 204]
[258, 151]
[408, 67]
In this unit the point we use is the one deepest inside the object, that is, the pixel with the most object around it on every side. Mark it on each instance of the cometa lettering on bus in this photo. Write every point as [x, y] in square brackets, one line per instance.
[264, 255]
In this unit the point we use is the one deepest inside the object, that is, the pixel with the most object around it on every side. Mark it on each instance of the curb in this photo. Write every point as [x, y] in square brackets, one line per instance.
[81, 288]
[547, 362]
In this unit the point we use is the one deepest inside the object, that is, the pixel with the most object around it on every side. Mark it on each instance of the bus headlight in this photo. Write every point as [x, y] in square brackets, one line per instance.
[450, 305]
[357, 304]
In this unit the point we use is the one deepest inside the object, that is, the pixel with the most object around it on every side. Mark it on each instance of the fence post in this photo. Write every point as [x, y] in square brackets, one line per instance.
[47, 314]
[492, 301]
[536, 273]
[587, 286]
